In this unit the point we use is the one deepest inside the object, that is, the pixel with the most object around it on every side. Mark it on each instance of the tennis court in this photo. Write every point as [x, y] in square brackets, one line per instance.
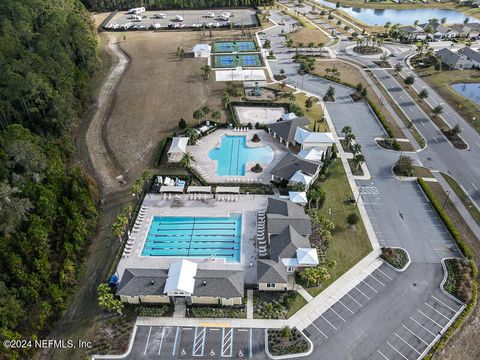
[231, 61]
[234, 46]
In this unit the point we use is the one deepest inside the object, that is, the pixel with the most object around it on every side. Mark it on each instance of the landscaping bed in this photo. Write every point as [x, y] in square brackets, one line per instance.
[286, 341]
[273, 304]
[460, 279]
[455, 139]
[398, 258]
[154, 310]
[357, 171]
[390, 144]
[367, 50]
[464, 198]
[200, 311]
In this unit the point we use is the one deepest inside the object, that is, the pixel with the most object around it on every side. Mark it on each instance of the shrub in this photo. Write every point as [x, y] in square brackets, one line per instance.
[255, 138]
[396, 257]
[352, 219]
[257, 168]
[182, 124]
[382, 120]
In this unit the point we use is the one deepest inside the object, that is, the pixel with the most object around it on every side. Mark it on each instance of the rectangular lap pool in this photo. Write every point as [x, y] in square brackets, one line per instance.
[234, 46]
[232, 61]
[195, 237]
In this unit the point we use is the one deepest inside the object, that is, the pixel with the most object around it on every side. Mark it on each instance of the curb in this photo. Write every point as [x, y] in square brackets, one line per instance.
[445, 277]
[125, 354]
[288, 356]
[377, 139]
[393, 267]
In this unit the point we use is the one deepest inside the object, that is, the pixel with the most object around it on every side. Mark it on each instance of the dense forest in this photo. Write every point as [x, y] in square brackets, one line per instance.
[47, 208]
[171, 4]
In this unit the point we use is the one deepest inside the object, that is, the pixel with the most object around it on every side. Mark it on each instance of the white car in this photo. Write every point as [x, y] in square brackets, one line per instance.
[210, 14]
[159, 16]
[178, 17]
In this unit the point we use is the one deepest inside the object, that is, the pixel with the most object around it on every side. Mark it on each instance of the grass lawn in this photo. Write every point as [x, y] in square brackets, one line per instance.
[349, 74]
[419, 171]
[309, 33]
[348, 246]
[472, 209]
[297, 305]
[441, 82]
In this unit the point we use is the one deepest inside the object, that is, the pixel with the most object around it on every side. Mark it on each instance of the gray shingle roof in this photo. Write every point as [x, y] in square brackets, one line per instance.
[286, 128]
[269, 271]
[282, 213]
[139, 282]
[290, 164]
[285, 244]
[449, 57]
[471, 54]
[226, 284]
[223, 283]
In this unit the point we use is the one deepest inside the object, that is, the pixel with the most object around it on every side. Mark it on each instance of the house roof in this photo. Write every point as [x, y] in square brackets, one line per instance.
[142, 282]
[412, 29]
[298, 197]
[179, 145]
[286, 128]
[449, 57]
[312, 154]
[285, 244]
[289, 116]
[307, 256]
[300, 177]
[201, 47]
[282, 213]
[227, 284]
[290, 164]
[303, 136]
[227, 189]
[471, 54]
[200, 189]
[181, 277]
[269, 271]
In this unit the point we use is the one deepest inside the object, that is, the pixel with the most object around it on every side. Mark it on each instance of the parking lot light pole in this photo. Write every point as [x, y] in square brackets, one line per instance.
[359, 193]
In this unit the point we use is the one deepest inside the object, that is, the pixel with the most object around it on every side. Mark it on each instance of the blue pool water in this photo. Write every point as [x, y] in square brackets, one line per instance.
[195, 237]
[471, 91]
[233, 154]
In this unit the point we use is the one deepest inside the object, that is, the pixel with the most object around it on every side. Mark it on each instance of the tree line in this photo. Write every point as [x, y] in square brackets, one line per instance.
[172, 4]
[47, 205]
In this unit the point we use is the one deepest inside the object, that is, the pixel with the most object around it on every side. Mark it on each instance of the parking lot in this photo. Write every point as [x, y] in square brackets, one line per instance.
[245, 17]
[209, 341]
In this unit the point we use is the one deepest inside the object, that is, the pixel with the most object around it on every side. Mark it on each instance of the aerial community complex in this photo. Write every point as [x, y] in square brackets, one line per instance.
[240, 179]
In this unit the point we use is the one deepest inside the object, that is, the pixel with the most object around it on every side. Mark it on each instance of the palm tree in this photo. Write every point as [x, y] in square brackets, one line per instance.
[456, 130]
[192, 134]
[187, 160]
[347, 130]
[397, 68]
[216, 115]
[330, 94]
[225, 99]
[206, 70]
[358, 159]
[437, 110]
[349, 138]
[423, 94]
[356, 149]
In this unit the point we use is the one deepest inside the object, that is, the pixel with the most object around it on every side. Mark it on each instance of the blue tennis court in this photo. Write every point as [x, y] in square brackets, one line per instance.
[231, 61]
[194, 237]
[234, 46]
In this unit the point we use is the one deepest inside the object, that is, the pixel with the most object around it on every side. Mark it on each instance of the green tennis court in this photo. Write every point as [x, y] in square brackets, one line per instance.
[234, 46]
[229, 61]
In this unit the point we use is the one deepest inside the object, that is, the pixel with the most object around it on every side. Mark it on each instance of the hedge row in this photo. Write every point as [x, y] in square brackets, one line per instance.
[382, 119]
[452, 229]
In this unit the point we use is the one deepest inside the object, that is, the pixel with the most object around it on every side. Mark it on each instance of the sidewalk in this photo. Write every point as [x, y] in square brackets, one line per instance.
[249, 304]
[459, 205]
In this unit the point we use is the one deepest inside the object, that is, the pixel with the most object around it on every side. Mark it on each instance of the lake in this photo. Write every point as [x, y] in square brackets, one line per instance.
[470, 91]
[399, 16]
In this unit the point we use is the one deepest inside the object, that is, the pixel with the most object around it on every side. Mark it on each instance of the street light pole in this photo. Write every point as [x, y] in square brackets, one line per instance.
[359, 193]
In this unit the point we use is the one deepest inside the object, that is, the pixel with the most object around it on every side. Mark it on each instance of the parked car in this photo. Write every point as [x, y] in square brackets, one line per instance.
[159, 16]
[210, 14]
[178, 17]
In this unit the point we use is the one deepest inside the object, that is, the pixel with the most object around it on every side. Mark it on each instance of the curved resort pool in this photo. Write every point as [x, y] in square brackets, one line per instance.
[233, 154]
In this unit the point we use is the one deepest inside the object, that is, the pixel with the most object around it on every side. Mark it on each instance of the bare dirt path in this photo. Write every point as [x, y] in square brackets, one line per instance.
[102, 160]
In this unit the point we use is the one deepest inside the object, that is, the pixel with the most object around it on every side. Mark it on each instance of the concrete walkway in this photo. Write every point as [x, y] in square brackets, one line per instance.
[249, 304]
[304, 293]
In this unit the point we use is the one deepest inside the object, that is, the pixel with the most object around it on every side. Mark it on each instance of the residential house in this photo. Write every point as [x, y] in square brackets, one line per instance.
[285, 129]
[181, 280]
[465, 30]
[413, 33]
[472, 55]
[453, 60]
[439, 31]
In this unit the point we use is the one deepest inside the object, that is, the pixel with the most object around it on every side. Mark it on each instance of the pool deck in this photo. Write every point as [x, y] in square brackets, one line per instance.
[207, 167]
[247, 205]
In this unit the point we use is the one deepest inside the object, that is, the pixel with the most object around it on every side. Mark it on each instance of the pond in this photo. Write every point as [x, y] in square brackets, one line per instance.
[470, 91]
[399, 16]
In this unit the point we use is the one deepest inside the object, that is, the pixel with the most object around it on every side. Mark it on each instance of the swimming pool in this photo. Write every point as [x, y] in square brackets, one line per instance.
[194, 237]
[233, 154]
[229, 61]
[234, 46]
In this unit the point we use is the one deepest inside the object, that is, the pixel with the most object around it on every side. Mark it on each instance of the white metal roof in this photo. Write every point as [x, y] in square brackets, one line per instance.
[307, 256]
[199, 189]
[289, 116]
[303, 136]
[298, 197]
[313, 154]
[202, 47]
[174, 189]
[181, 277]
[228, 189]
[300, 177]
[179, 145]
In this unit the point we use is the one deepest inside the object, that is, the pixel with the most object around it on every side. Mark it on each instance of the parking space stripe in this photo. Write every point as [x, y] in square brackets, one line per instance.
[161, 341]
[397, 351]
[199, 341]
[382, 355]
[423, 327]
[250, 344]
[431, 307]
[321, 332]
[361, 292]
[175, 343]
[354, 300]
[324, 318]
[363, 281]
[421, 312]
[418, 337]
[227, 339]
[448, 307]
[148, 339]
[337, 314]
[345, 306]
[410, 346]
[385, 274]
[373, 277]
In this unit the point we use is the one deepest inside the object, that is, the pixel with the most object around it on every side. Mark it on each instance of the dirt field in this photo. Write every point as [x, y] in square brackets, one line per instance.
[157, 90]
